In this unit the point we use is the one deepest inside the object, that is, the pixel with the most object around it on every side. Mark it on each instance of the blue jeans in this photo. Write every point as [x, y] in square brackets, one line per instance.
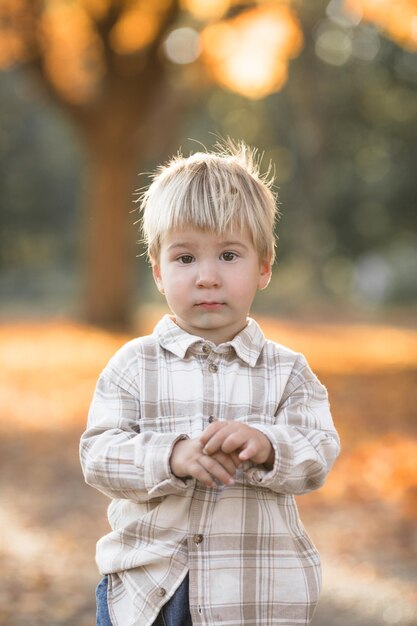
[176, 611]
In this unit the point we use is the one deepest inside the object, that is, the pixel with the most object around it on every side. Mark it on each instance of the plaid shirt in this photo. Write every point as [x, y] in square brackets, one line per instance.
[250, 560]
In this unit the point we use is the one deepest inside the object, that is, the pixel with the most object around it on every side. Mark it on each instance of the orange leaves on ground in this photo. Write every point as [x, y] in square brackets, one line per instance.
[333, 348]
[371, 374]
[249, 54]
[398, 19]
[363, 519]
[383, 469]
[343, 349]
[49, 372]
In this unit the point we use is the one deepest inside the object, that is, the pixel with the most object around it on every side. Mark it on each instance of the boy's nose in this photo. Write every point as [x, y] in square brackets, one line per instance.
[207, 276]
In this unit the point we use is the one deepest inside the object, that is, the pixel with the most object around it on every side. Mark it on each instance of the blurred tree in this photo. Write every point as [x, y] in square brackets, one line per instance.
[125, 71]
[110, 65]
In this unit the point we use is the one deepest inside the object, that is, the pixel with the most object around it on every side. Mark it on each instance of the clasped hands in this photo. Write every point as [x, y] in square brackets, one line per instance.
[222, 448]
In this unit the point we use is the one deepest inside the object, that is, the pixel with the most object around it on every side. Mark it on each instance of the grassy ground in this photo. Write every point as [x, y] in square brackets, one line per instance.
[363, 521]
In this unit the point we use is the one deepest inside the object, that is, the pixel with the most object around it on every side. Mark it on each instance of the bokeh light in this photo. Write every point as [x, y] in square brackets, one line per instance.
[68, 35]
[182, 46]
[333, 45]
[373, 278]
[206, 9]
[136, 28]
[372, 162]
[250, 53]
[397, 19]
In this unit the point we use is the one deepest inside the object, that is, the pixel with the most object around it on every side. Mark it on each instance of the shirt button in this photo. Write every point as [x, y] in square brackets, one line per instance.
[161, 592]
[213, 368]
[198, 539]
[206, 349]
[211, 419]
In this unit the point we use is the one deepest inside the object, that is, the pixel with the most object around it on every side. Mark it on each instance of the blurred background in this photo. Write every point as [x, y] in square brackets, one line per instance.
[94, 94]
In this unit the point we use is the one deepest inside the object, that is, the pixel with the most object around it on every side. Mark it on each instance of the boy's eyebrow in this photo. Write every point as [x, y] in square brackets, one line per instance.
[179, 244]
[189, 244]
[232, 243]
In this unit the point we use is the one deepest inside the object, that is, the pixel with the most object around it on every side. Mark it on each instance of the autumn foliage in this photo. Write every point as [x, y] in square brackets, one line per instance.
[396, 19]
[247, 51]
[127, 71]
[51, 520]
[49, 372]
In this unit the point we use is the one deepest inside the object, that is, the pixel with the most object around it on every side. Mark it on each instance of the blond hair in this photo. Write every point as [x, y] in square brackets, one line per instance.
[215, 191]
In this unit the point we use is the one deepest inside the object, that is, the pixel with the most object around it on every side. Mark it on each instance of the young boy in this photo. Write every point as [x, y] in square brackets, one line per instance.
[203, 432]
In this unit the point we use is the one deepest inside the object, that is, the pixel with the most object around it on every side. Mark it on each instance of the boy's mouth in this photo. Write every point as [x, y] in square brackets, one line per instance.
[210, 305]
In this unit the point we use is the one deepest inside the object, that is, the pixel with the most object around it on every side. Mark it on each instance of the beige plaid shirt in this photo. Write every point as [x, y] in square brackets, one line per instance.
[250, 560]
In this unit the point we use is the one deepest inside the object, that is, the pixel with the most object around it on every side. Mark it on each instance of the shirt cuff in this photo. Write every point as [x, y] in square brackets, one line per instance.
[159, 479]
[259, 475]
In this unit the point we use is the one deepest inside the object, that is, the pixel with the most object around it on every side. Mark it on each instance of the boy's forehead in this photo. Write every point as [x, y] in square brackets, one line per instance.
[192, 235]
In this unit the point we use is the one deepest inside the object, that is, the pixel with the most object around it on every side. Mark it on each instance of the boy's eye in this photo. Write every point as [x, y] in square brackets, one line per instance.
[185, 259]
[228, 256]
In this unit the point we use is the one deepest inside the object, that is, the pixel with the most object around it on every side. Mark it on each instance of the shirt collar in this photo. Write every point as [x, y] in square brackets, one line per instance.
[247, 344]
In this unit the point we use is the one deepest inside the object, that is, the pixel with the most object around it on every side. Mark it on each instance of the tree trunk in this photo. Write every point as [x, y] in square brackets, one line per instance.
[109, 233]
[134, 100]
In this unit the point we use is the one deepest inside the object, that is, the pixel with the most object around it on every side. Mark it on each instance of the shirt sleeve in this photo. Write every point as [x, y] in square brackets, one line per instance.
[303, 436]
[118, 459]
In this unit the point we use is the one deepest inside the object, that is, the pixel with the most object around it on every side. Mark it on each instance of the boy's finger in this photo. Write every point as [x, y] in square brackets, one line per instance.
[230, 464]
[228, 437]
[211, 430]
[217, 470]
[253, 450]
[248, 453]
[235, 458]
[203, 476]
[234, 441]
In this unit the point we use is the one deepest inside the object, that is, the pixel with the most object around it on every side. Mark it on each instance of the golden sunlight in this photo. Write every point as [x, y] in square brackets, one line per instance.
[397, 19]
[249, 54]
[49, 371]
[53, 369]
[70, 42]
[206, 9]
[334, 349]
[138, 25]
[135, 30]
[387, 466]
[95, 8]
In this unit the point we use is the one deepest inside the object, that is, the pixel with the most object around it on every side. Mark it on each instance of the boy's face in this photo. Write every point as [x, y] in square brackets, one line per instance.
[210, 281]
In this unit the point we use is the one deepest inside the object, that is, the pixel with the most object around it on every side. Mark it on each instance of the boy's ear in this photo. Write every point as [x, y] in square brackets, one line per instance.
[265, 272]
[156, 272]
